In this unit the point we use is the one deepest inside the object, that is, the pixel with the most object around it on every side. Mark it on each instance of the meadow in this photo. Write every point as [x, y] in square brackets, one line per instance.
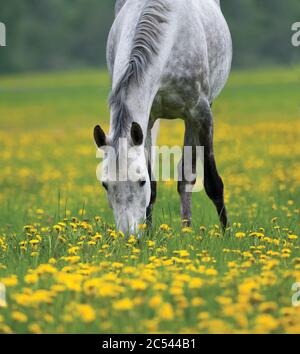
[66, 269]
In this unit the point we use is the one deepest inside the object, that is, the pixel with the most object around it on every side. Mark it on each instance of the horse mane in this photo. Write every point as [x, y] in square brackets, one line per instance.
[118, 6]
[145, 46]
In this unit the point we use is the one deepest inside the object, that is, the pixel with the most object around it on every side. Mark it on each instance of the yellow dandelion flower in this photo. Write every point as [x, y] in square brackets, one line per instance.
[19, 316]
[165, 227]
[187, 230]
[123, 305]
[72, 259]
[132, 239]
[155, 301]
[195, 283]
[35, 328]
[34, 242]
[31, 278]
[73, 250]
[266, 323]
[142, 227]
[292, 237]
[232, 264]
[223, 300]
[197, 302]
[117, 265]
[45, 269]
[267, 307]
[203, 316]
[57, 228]
[34, 254]
[151, 325]
[182, 253]
[211, 271]
[240, 235]
[86, 312]
[138, 285]
[166, 312]
[10, 281]
[151, 244]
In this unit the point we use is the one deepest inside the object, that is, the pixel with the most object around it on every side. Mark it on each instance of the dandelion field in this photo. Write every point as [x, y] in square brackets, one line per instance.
[65, 268]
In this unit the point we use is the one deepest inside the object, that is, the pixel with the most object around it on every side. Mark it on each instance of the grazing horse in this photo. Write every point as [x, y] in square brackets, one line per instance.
[168, 59]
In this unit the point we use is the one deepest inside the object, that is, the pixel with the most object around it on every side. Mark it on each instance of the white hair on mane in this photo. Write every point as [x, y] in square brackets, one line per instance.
[144, 48]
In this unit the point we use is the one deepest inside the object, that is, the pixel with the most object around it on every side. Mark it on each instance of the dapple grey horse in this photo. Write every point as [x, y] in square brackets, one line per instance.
[168, 59]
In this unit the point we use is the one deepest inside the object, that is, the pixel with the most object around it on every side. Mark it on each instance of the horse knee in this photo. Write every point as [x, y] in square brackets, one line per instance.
[180, 187]
[184, 187]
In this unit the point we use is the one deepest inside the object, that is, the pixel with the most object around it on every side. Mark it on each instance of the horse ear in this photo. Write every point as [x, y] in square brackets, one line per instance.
[99, 136]
[137, 135]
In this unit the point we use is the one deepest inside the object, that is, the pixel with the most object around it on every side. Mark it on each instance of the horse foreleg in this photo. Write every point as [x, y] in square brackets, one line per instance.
[152, 137]
[149, 210]
[187, 174]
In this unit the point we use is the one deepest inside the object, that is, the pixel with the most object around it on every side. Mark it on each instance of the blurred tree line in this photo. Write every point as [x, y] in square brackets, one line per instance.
[59, 34]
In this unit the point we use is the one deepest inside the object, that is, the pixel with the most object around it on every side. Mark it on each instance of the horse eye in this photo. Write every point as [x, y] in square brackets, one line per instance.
[105, 186]
[142, 183]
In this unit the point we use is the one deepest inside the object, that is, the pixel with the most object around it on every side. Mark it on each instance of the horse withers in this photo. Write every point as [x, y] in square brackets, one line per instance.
[168, 59]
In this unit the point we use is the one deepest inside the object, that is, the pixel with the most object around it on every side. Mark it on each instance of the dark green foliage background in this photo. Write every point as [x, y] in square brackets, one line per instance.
[63, 34]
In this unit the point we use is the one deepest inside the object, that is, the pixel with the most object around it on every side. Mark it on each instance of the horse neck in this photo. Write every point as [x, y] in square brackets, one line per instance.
[134, 107]
[145, 46]
[139, 103]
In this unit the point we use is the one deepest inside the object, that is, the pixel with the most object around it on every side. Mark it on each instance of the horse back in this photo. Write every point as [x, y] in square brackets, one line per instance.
[190, 54]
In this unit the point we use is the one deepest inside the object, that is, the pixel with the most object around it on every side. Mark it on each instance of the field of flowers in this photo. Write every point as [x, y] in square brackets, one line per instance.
[66, 270]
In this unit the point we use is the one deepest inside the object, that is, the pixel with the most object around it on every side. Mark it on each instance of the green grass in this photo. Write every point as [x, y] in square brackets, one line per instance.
[48, 162]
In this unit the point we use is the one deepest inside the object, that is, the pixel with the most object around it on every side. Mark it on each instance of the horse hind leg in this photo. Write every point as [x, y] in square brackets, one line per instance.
[213, 183]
